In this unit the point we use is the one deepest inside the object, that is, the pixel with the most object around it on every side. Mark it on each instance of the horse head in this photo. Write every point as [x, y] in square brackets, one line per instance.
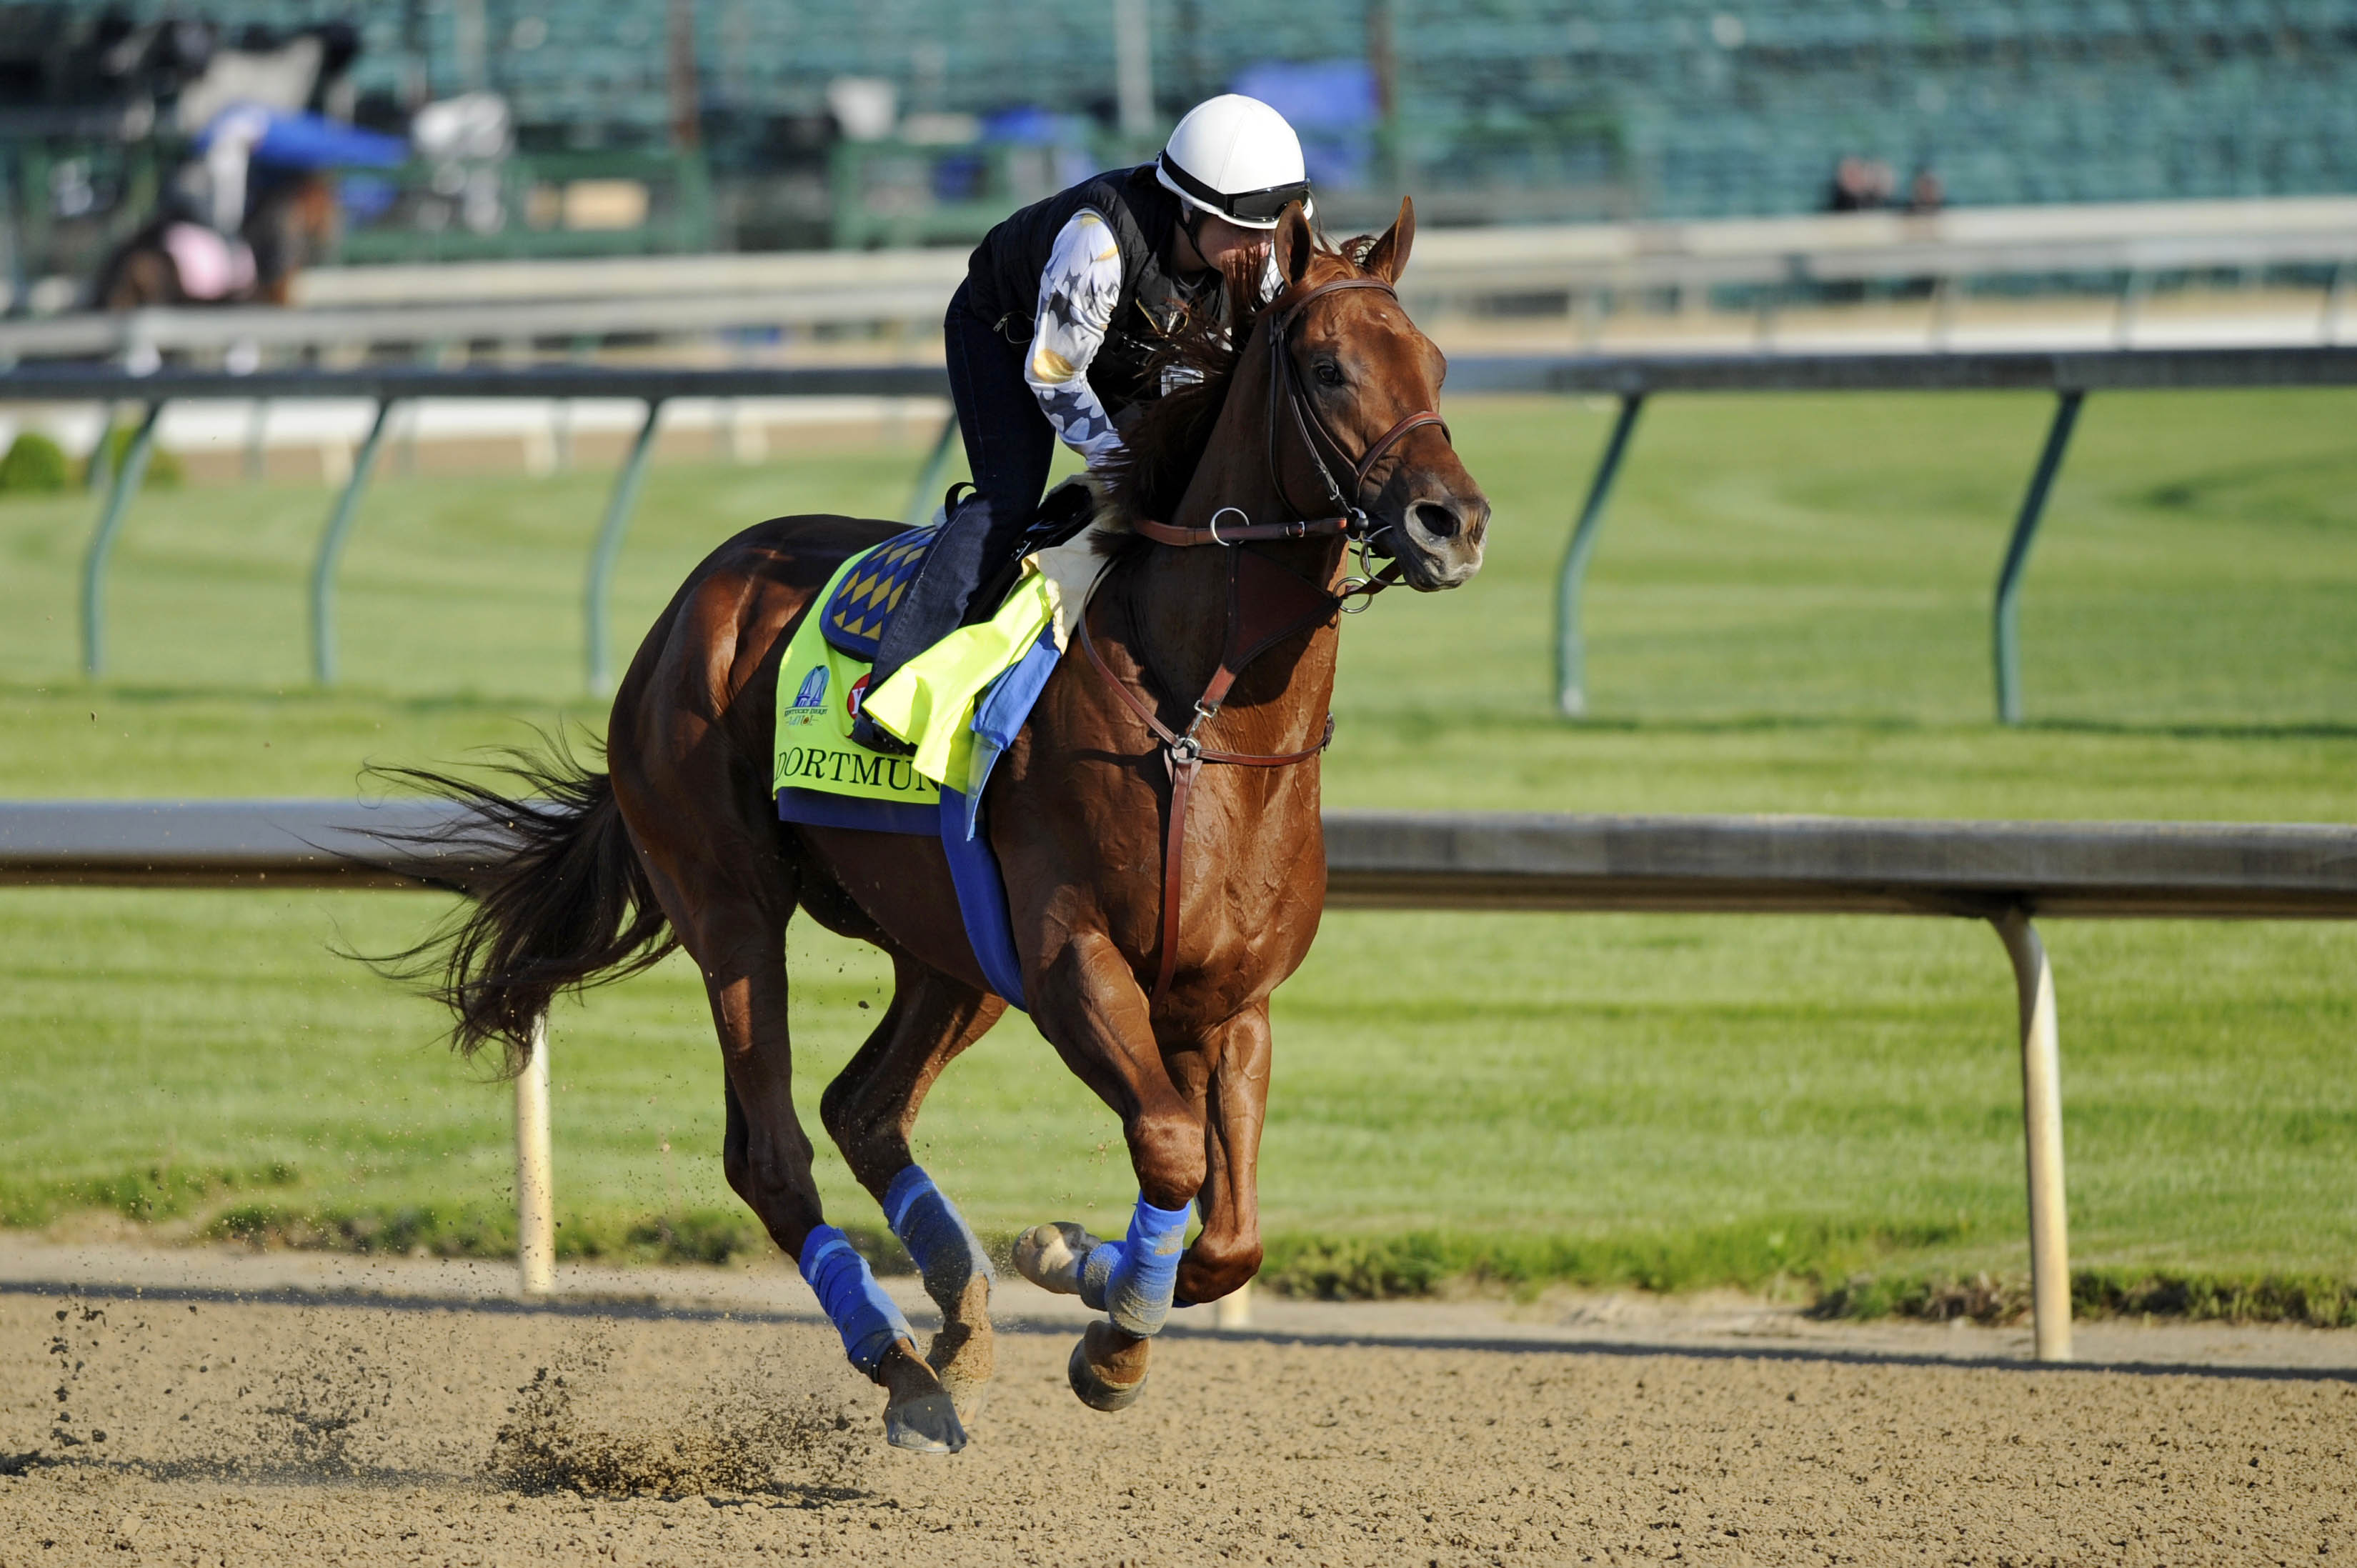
[1366, 383]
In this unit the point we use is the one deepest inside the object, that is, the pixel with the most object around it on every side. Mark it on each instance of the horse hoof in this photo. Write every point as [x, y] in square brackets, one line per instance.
[1099, 1369]
[926, 1424]
[1050, 1256]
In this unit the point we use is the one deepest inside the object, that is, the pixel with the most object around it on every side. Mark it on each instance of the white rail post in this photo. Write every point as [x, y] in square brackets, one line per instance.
[535, 1196]
[2042, 1118]
[1234, 1310]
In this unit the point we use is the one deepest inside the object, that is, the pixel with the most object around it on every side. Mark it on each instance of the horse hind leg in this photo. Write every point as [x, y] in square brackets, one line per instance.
[919, 1413]
[869, 1110]
[729, 911]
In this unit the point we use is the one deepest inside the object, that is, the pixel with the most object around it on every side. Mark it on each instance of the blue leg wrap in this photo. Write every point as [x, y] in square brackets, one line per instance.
[1133, 1279]
[947, 1252]
[856, 1305]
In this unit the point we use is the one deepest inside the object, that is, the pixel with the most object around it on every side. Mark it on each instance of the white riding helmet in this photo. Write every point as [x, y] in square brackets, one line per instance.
[1235, 156]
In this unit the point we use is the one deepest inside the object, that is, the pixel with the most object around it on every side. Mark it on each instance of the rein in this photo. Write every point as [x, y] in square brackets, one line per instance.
[1265, 602]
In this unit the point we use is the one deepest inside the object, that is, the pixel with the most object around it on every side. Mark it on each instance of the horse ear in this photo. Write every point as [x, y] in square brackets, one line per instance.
[1293, 245]
[1387, 257]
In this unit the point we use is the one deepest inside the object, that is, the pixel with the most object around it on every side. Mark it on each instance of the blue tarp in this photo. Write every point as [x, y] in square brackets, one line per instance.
[1332, 105]
[300, 141]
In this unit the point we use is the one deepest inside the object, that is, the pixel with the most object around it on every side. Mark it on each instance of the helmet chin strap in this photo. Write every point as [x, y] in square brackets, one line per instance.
[1190, 223]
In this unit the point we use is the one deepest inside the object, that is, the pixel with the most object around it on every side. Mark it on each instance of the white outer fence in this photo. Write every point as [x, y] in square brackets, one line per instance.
[695, 295]
[2005, 872]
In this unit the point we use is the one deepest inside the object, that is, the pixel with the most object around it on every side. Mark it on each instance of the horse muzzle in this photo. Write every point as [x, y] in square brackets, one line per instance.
[1437, 539]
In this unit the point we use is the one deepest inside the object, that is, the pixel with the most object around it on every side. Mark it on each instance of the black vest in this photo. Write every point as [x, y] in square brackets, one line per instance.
[1004, 273]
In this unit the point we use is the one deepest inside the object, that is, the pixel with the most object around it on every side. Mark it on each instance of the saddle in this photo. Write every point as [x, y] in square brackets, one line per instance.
[855, 615]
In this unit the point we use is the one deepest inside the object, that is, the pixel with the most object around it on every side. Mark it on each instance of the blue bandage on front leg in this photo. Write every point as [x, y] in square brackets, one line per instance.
[855, 1302]
[947, 1252]
[1135, 1278]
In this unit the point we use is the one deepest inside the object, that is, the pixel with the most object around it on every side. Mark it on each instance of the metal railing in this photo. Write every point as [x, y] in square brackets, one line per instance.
[1767, 261]
[2003, 873]
[389, 386]
[1785, 257]
[683, 313]
[2070, 377]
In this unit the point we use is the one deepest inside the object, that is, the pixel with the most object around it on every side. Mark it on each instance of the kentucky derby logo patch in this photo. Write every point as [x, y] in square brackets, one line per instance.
[814, 749]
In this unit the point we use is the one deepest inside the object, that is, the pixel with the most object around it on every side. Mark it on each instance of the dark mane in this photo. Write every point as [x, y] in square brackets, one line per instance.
[1160, 452]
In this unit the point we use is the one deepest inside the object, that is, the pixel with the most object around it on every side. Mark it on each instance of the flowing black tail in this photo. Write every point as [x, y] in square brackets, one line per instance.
[561, 901]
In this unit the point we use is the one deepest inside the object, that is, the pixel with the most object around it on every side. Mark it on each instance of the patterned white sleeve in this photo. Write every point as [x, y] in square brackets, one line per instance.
[1077, 296]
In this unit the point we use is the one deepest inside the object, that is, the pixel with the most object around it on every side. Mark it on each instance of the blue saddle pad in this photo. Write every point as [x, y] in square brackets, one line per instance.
[853, 619]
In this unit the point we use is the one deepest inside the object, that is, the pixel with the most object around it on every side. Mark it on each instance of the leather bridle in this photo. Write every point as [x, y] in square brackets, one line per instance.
[1288, 395]
[1266, 603]
[1345, 516]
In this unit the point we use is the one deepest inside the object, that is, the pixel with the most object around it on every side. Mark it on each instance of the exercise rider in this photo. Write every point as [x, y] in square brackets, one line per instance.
[1052, 334]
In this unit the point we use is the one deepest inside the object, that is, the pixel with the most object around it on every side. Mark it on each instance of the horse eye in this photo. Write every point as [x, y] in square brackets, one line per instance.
[1329, 374]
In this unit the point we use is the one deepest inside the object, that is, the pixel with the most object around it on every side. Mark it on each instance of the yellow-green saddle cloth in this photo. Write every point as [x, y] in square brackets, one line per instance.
[932, 704]
[961, 704]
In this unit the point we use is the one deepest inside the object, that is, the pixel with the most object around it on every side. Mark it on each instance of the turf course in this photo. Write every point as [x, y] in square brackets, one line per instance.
[1788, 613]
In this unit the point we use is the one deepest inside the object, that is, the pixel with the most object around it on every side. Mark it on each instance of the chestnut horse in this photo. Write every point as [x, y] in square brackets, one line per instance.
[1164, 1012]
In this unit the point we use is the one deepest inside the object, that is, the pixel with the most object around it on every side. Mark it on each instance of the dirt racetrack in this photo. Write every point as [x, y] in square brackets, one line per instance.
[195, 1426]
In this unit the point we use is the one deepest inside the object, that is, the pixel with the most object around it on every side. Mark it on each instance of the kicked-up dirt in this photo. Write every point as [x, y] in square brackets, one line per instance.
[197, 1426]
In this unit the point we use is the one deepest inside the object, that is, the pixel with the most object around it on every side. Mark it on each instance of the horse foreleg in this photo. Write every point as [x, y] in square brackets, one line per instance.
[869, 1110]
[1088, 1005]
[1232, 1088]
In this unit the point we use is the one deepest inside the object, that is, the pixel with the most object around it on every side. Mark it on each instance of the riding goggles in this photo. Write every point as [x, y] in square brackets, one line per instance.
[1262, 207]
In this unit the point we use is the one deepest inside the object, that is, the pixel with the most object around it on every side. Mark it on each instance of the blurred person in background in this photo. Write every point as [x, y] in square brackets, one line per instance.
[1861, 185]
[252, 204]
[1927, 193]
[1052, 336]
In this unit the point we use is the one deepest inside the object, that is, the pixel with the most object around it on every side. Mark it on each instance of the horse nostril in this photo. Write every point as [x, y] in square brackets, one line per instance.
[1435, 521]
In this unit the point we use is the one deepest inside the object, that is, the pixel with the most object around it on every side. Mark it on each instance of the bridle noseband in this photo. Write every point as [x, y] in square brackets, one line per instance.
[1266, 602]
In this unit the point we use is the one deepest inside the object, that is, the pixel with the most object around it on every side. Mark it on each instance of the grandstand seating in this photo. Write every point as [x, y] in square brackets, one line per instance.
[1528, 107]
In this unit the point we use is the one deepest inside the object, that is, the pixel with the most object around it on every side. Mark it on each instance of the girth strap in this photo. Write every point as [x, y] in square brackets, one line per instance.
[1266, 604]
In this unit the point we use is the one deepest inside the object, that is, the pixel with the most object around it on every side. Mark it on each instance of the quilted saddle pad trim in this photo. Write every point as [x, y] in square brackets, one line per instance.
[861, 606]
